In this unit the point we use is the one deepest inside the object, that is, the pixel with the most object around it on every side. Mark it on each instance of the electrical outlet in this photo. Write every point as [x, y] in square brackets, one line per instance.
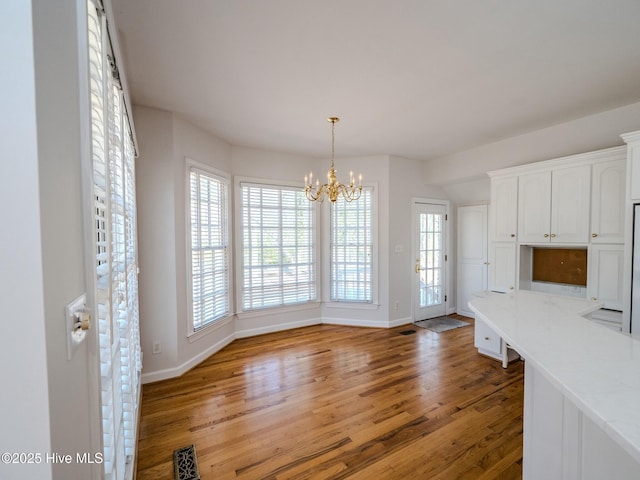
[156, 348]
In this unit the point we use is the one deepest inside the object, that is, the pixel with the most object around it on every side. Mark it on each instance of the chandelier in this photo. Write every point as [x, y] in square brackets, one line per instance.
[334, 188]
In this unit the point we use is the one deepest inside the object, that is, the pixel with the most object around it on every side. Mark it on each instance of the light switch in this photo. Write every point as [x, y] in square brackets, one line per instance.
[77, 322]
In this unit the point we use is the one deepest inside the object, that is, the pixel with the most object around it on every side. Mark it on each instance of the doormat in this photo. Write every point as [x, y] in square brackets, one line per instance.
[185, 463]
[441, 324]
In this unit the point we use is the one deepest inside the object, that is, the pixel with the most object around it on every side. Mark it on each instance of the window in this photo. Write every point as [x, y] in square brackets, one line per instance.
[278, 233]
[116, 263]
[208, 226]
[351, 249]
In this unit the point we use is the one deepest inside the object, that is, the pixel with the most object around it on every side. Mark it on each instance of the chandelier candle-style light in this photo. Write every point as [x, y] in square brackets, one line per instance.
[334, 188]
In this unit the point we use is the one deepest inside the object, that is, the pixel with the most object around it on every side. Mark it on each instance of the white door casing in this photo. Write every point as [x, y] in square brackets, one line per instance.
[430, 257]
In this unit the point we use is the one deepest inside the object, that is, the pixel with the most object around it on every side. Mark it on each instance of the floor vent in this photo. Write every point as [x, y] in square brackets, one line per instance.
[408, 332]
[185, 463]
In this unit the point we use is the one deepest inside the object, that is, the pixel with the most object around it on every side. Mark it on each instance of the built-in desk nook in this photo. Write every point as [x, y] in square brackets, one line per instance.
[582, 385]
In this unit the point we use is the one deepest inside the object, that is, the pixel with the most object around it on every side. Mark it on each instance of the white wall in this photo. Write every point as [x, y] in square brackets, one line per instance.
[63, 130]
[47, 400]
[165, 141]
[156, 198]
[406, 183]
[24, 402]
[585, 134]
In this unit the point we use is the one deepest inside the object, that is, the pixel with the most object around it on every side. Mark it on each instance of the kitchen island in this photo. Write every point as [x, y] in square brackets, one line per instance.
[582, 385]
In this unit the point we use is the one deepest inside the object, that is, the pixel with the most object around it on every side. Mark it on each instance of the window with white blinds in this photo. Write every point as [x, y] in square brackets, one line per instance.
[278, 246]
[112, 156]
[351, 249]
[209, 242]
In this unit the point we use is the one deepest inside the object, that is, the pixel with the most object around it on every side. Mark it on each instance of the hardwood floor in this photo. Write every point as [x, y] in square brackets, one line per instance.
[334, 402]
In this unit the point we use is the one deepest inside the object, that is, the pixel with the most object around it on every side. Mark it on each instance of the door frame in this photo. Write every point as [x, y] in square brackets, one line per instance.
[448, 249]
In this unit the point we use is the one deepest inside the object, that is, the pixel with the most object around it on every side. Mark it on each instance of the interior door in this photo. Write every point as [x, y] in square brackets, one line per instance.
[429, 255]
[471, 255]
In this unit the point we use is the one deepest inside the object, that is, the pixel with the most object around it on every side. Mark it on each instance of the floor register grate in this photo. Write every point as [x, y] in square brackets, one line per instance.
[185, 463]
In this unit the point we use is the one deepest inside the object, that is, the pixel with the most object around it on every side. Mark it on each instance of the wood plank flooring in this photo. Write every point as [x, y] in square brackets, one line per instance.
[336, 402]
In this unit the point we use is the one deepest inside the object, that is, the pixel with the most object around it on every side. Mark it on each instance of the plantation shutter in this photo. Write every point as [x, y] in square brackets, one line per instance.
[278, 232]
[352, 249]
[112, 155]
[209, 248]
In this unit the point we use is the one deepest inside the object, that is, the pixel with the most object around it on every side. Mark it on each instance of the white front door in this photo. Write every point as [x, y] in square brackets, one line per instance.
[429, 256]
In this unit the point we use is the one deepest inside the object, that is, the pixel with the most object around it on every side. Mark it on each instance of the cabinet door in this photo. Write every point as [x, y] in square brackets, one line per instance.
[534, 207]
[606, 264]
[570, 204]
[502, 267]
[472, 254]
[503, 217]
[607, 202]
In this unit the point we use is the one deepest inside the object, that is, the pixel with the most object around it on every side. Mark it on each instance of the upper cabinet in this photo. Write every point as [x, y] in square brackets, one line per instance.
[608, 202]
[504, 209]
[572, 200]
[553, 205]
[534, 207]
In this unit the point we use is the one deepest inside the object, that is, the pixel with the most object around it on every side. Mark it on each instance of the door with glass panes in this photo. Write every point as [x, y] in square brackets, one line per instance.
[429, 293]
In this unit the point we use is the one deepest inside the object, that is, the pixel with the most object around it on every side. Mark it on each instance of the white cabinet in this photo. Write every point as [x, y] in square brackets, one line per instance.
[607, 202]
[605, 276]
[502, 267]
[561, 441]
[471, 254]
[534, 207]
[504, 209]
[490, 344]
[486, 340]
[553, 206]
[570, 195]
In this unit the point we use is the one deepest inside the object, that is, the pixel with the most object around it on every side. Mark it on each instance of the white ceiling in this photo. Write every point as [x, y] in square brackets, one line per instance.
[415, 78]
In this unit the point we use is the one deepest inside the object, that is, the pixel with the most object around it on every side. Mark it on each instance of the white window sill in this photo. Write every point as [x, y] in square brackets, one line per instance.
[352, 305]
[277, 310]
[210, 328]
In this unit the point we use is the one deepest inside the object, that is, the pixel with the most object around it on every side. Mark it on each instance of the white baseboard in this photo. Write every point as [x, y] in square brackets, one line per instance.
[189, 364]
[400, 321]
[351, 322]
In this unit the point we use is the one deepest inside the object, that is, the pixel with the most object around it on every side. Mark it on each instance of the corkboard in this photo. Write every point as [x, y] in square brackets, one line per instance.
[560, 265]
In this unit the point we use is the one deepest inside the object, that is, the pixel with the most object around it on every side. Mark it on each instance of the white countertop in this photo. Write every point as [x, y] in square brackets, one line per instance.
[596, 368]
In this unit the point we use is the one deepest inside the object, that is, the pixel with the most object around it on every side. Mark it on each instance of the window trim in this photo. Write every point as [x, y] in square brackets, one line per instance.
[239, 249]
[374, 304]
[196, 334]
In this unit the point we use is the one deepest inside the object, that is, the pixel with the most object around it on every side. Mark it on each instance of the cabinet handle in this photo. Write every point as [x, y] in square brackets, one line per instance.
[486, 263]
[594, 298]
[486, 338]
[546, 235]
[553, 235]
[510, 288]
[594, 235]
[513, 235]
